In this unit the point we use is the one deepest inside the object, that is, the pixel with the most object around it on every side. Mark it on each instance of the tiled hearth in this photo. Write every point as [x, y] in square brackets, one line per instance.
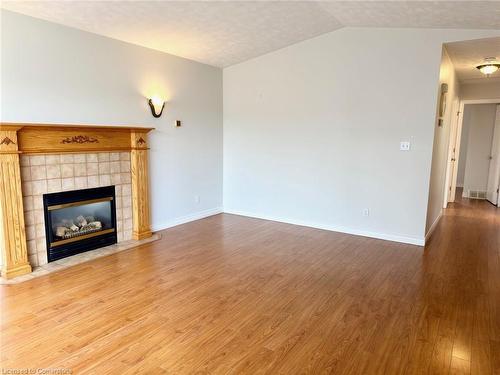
[41, 174]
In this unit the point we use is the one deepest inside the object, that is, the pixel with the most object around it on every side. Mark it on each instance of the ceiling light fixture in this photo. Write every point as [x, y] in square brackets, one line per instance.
[490, 66]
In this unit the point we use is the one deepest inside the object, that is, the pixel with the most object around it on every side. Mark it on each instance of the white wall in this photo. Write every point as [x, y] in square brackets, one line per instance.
[55, 74]
[440, 149]
[481, 90]
[312, 131]
[480, 119]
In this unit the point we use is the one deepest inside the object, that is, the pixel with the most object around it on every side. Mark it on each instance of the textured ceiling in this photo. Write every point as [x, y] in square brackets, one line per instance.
[465, 56]
[418, 14]
[228, 32]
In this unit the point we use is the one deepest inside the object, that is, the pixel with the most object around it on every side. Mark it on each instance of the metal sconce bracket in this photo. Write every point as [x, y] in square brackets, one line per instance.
[153, 111]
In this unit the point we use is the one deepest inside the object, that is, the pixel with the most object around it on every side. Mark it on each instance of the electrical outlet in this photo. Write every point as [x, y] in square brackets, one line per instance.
[197, 199]
[404, 146]
[366, 212]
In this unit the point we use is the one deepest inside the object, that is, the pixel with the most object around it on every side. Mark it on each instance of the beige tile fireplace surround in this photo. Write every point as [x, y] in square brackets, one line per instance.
[36, 159]
[42, 174]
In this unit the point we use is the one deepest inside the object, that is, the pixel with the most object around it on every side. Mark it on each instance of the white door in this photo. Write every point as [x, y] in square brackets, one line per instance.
[494, 173]
[453, 152]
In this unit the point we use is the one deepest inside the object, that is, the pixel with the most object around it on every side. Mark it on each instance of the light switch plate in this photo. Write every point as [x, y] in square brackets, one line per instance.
[404, 146]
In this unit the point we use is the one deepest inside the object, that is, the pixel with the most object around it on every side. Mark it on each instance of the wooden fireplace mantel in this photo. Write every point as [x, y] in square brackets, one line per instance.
[57, 138]
[24, 138]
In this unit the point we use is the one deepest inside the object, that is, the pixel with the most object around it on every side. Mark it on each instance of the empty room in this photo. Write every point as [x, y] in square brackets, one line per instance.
[250, 187]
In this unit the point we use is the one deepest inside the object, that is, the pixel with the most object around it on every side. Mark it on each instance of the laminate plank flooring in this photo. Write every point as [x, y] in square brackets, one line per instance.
[236, 295]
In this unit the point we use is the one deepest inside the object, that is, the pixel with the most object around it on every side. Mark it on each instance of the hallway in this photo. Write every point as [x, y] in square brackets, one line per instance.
[463, 281]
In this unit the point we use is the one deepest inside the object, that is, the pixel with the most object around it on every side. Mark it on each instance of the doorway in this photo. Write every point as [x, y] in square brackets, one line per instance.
[462, 85]
[474, 155]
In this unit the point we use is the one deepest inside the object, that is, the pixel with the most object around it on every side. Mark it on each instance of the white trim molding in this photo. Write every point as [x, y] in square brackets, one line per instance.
[187, 218]
[463, 102]
[433, 227]
[419, 241]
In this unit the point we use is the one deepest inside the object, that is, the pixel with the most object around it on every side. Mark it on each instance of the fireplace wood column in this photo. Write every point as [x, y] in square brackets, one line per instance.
[12, 229]
[140, 185]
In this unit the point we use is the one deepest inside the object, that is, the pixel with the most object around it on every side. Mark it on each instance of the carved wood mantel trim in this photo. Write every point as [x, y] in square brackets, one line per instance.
[16, 138]
[7, 141]
[80, 139]
[57, 138]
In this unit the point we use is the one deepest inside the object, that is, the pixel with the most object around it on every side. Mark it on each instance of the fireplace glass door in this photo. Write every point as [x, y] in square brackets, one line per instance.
[79, 220]
[74, 221]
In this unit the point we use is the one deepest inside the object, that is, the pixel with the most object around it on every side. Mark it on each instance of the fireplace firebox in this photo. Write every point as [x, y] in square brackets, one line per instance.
[78, 221]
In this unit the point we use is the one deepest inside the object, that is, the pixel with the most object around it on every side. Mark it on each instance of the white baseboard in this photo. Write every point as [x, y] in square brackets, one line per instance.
[433, 227]
[186, 219]
[382, 236]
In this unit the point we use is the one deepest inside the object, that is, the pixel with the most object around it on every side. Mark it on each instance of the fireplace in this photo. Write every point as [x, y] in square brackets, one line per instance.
[79, 220]
[36, 159]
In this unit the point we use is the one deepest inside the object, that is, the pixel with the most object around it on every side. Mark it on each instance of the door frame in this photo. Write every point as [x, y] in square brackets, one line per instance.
[495, 158]
[454, 149]
[451, 159]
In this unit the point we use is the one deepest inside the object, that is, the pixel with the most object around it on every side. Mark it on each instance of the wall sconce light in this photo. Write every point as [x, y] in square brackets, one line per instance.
[156, 104]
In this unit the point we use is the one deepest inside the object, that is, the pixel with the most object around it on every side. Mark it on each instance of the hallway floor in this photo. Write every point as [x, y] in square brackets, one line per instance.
[465, 255]
[236, 295]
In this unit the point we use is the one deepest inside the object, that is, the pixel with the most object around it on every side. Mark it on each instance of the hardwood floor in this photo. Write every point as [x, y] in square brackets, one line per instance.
[230, 294]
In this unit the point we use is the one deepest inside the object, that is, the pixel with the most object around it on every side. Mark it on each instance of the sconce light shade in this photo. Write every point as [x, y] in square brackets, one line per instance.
[156, 104]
